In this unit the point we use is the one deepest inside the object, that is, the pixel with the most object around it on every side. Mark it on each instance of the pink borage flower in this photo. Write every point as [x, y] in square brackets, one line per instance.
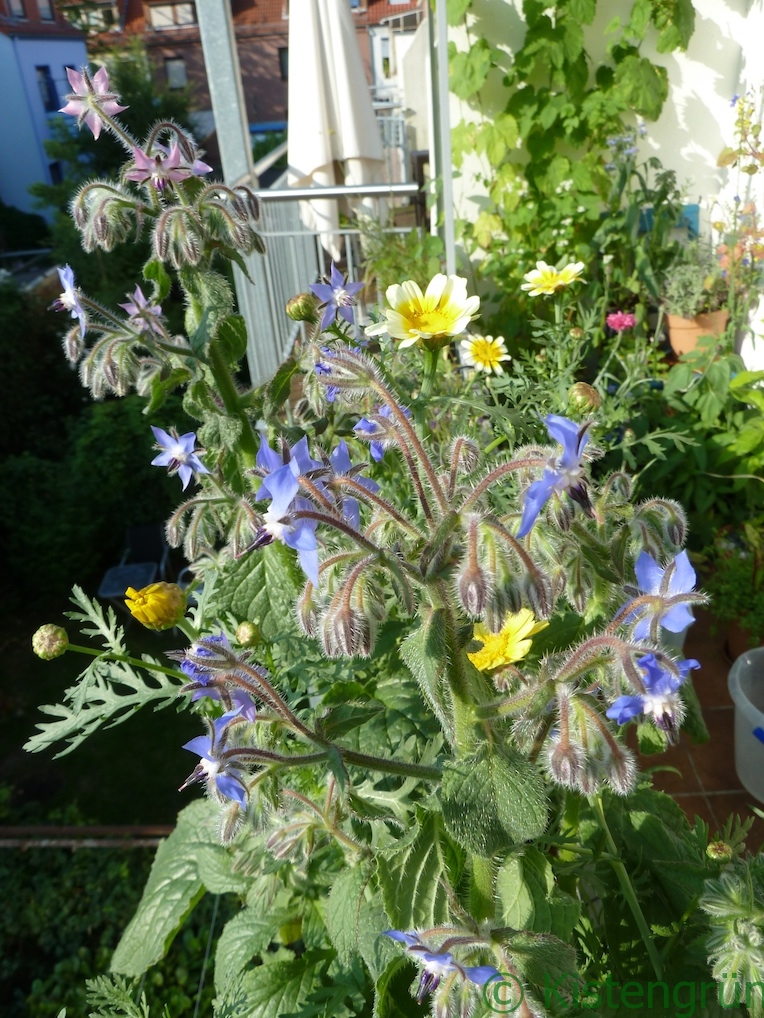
[163, 166]
[620, 320]
[88, 96]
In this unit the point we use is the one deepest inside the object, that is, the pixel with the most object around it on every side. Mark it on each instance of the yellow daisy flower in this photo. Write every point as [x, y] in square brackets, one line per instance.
[511, 644]
[484, 353]
[158, 606]
[443, 310]
[547, 279]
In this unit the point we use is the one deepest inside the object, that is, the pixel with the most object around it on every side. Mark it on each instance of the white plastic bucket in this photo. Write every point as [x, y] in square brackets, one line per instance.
[746, 686]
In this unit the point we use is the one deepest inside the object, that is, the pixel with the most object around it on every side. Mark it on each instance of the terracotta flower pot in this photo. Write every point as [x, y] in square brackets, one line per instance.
[684, 333]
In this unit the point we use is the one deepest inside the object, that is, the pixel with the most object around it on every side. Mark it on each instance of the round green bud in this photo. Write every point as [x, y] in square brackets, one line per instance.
[50, 641]
[248, 634]
[583, 397]
[302, 308]
[719, 851]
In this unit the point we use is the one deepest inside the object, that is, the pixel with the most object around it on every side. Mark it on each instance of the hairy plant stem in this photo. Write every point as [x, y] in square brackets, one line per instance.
[226, 388]
[627, 888]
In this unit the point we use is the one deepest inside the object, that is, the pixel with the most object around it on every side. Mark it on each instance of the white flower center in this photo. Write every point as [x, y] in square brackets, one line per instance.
[659, 704]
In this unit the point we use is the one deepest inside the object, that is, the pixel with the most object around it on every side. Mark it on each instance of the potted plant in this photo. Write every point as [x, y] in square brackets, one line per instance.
[695, 293]
[735, 581]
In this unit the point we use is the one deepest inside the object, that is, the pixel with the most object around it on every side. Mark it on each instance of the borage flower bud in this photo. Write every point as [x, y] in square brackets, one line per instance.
[472, 586]
[621, 770]
[346, 632]
[302, 308]
[565, 761]
[50, 642]
[158, 606]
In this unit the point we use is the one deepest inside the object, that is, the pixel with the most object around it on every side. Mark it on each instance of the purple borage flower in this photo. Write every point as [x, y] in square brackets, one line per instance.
[178, 454]
[563, 473]
[242, 704]
[337, 297]
[220, 775]
[374, 431]
[87, 95]
[660, 699]
[436, 966]
[69, 301]
[280, 484]
[678, 577]
[143, 315]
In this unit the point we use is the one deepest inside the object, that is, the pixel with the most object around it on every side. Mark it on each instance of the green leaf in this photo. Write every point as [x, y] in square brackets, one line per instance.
[107, 691]
[415, 875]
[209, 304]
[163, 385]
[582, 11]
[344, 717]
[467, 71]
[641, 85]
[678, 32]
[280, 988]
[456, 10]
[424, 653]
[191, 855]
[651, 739]
[248, 934]
[278, 389]
[492, 801]
[542, 959]
[259, 587]
[154, 271]
[232, 338]
[530, 899]
[356, 925]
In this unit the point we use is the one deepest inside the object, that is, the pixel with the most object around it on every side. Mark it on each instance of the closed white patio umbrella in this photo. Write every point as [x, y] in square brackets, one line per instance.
[333, 137]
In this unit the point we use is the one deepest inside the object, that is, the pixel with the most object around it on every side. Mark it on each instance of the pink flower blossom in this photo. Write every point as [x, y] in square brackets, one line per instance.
[88, 97]
[620, 320]
[163, 167]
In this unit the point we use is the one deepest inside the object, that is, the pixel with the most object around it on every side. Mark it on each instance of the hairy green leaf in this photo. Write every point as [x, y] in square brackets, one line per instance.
[260, 587]
[530, 899]
[492, 801]
[184, 862]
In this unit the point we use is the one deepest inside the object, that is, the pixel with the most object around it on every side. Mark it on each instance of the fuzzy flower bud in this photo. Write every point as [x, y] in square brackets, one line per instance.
[302, 308]
[584, 398]
[248, 634]
[719, 851]
[50, 641]
[565, 760]
[158, 606]
[472, 585]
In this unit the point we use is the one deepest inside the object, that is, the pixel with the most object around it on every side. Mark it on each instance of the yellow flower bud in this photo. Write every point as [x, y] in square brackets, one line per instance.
[50, 641]
[158, 606]
[719, 851]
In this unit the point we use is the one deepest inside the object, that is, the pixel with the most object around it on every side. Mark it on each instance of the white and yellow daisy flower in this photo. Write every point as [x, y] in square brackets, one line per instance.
[443, 310]
[484, 353]
[546, 279]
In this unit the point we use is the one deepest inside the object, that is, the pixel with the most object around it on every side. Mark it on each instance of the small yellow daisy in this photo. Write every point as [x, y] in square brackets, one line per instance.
[484, 353]
[511, 644]
[546, 279]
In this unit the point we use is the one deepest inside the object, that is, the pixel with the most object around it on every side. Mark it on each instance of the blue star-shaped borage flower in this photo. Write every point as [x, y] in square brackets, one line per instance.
[660, 699]
[337, 297]
[563, 473]
[678, 577]
[437, 965]
[220, 774]
[69, 299]
[178, 454]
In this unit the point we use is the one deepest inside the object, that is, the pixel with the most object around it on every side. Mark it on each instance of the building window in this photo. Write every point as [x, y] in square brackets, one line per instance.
[178, 15]
[175, 69]
[102, 18]
[45, 7]
[56, 173]
[16, 8]
[284, 62]
[47, 89]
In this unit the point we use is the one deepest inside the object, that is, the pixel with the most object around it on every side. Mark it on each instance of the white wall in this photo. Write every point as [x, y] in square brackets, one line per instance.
[25, 123]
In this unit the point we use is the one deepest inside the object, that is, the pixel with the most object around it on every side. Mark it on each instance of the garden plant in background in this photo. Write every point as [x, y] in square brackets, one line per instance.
[420, 631]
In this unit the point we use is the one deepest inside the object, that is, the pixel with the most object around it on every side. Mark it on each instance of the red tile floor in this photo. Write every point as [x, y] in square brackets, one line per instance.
[707, 785]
